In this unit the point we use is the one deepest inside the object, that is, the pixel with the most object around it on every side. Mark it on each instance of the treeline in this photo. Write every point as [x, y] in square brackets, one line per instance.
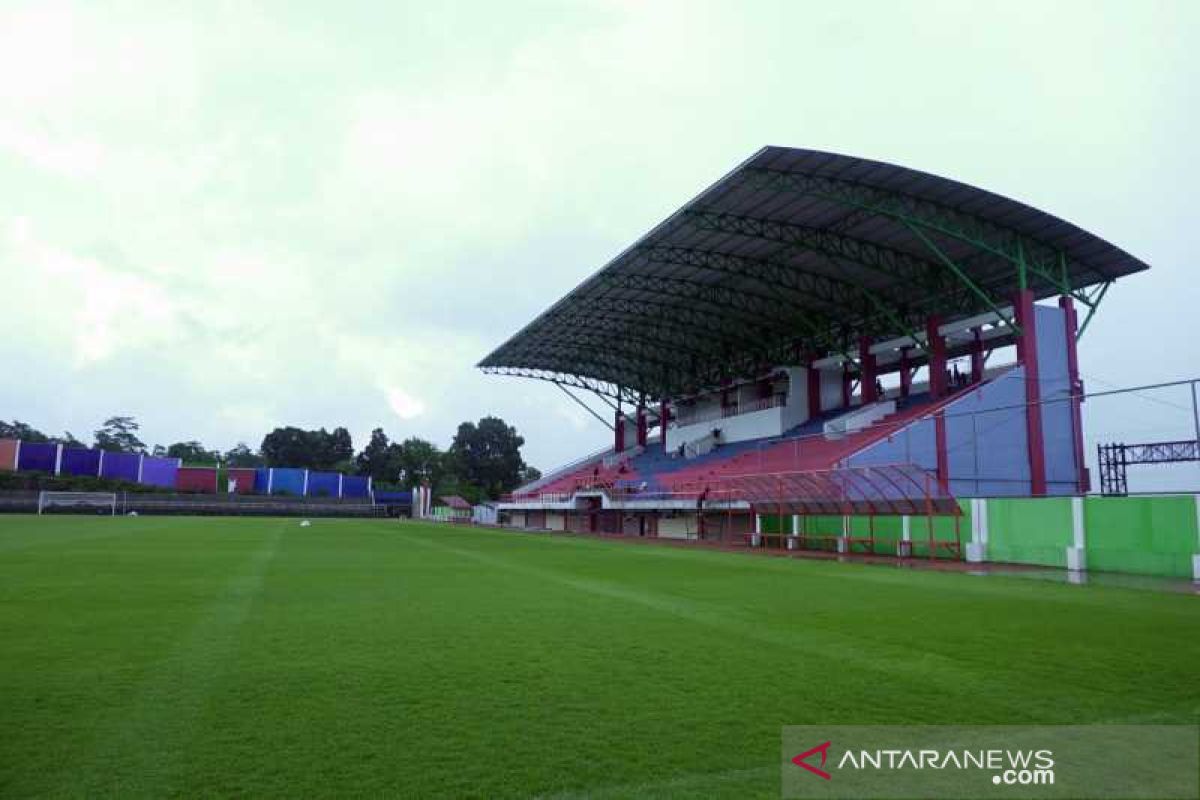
[483, 460]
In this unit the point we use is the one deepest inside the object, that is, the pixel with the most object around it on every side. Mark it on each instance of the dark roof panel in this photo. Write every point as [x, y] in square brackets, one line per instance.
[798, 250]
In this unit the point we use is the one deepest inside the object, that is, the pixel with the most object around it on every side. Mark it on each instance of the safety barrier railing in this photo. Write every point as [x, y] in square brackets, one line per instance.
[734, 410]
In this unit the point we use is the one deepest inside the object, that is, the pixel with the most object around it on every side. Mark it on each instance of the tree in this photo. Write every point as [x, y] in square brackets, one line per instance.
[19, 430]
[68, 440]
[193, 452]
[376, 458]
[488, 455]
[119, 434]
[320, 449]
[417, 460]
[530, 474]
[242, 456]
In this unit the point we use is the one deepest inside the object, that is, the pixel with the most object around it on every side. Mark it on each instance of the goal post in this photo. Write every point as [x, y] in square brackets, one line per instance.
[98, 500]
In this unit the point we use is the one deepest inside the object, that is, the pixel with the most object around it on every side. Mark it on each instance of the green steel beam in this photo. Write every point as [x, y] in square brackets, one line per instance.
[986, 236]
[964, 278]
[1092, 306]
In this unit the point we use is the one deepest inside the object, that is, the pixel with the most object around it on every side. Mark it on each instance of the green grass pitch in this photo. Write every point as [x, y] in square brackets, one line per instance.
[193, 656]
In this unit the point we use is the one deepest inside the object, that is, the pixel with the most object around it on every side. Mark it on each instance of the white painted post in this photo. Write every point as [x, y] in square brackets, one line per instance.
[843, 545]
[100, 465]
[270, 479]
[977, 547]
[905, 536]
[58, 459]
[141, 461]
[1196, 556]
[1076, 553]
[17, 455]
[756, 539]
[304, 491]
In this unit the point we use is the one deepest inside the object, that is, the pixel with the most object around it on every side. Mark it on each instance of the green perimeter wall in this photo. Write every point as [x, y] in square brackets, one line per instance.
[1139, 535]
[1029, 530]
[1144, 535]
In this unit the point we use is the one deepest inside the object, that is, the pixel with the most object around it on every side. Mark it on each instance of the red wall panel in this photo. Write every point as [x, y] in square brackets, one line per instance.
[196, 479]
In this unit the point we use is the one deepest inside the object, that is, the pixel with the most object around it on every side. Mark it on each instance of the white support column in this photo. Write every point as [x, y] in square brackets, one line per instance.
[304, 491]
[977, 547]
[141, 461]
[58, 459]
[1077, 552]
[905, 536]
[341, 478]
[756, 539]
[843, 545]
[270, 479]
[17, 455]
[1196, 555]
[100, 465]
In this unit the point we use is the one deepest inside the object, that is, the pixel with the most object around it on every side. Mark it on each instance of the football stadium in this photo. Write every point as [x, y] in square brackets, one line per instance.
[861, 523]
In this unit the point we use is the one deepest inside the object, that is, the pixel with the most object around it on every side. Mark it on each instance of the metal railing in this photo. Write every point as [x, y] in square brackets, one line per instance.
[734, 410]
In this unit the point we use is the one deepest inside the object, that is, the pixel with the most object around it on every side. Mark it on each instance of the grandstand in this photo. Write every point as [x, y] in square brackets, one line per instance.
[818, 314]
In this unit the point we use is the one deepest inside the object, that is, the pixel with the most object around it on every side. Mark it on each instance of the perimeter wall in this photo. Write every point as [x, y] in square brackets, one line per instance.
[1152, 535]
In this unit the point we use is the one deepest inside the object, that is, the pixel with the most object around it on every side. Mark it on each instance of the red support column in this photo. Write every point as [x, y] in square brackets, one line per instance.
[936, 347]
[1071, 320]
[1027, 356]
[642, 426]
[846, 384]
[619, 432]
[905, 373]
[663, 412]
[867, 376]
[976, 355]
[814, 390]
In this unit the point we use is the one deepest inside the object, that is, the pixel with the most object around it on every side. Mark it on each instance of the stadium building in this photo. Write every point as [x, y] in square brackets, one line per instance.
[816, 343]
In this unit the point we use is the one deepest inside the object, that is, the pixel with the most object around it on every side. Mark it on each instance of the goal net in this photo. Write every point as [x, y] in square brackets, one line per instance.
[101, 501]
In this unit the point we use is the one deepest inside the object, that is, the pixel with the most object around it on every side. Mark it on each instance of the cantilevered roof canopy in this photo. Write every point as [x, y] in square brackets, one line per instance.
[799, 252]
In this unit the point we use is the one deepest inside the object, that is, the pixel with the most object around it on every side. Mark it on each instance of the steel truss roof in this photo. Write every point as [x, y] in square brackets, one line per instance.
[797, 254]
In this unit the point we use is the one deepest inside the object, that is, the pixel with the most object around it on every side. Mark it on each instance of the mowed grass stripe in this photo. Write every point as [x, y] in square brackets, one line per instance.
[407, 659]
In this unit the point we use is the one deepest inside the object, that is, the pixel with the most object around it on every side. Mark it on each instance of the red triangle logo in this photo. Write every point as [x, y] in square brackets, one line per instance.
[800, 760]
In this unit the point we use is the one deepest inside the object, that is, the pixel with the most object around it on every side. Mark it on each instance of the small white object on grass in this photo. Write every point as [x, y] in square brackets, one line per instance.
[304, 523]
[132, 514]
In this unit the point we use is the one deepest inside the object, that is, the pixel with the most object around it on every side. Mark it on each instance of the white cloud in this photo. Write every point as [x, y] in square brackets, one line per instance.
[404, 405]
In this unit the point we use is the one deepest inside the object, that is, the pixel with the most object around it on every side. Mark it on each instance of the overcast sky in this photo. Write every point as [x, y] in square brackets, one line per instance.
[320, 214]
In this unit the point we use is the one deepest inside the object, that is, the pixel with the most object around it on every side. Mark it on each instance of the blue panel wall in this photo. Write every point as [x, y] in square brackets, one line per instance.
[37, 456]
[159, 471]
[120, 466]
[323, 484]
[76, 461]
[354, 486]
[996, 422]
[1058, 425]
[288, 480]
[262, 479]
[985, 441]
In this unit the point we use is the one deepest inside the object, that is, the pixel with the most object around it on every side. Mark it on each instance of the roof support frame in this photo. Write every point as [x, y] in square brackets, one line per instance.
[983, 235]
[963, 277]
[891, 263]
[753, 306]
